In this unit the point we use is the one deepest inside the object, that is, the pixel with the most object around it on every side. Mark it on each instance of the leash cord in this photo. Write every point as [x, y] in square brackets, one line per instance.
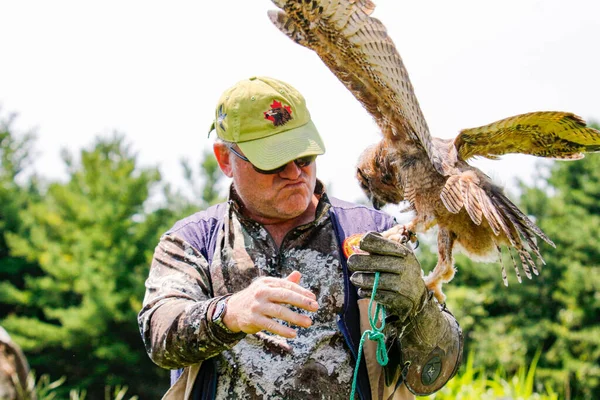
[375, 334]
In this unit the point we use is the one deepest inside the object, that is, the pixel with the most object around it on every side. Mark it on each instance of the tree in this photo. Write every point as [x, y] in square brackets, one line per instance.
[571, 217]
[89, 242]
[15, 158]
[92, 240]
[203, 185]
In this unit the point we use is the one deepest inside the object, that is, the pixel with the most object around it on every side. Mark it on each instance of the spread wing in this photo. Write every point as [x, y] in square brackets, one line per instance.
[544, 134]
[358, 50]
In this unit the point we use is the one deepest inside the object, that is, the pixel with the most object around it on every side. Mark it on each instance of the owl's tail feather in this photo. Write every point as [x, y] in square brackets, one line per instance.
[512, 257]
[524, 263]
[521, 233]
[504, 277]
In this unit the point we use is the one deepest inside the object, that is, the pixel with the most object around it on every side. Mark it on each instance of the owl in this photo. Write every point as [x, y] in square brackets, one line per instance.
[410, 165]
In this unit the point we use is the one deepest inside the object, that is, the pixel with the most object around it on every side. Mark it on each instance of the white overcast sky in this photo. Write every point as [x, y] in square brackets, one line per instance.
[154, 71]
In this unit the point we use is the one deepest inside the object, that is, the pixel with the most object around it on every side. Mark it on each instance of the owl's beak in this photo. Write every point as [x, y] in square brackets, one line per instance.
[376, 203]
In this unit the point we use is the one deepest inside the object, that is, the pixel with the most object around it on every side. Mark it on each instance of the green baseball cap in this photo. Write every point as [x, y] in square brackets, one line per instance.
[268, 120]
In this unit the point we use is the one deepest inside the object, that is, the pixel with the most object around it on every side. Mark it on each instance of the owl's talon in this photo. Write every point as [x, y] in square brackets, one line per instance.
[402, 235]
[434, 285]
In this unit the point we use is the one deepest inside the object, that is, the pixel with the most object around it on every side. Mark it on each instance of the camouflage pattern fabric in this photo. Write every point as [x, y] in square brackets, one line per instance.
[182, 290]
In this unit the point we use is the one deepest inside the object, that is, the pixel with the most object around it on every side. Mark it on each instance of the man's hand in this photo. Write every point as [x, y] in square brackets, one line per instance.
[431, 340]
[401, 287]
[254, 308]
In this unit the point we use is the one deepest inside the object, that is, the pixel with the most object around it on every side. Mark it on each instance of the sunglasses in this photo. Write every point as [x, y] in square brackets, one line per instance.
[300, 162]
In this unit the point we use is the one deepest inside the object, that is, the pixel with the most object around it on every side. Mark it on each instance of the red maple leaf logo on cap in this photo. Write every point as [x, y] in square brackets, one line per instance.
[279, 114]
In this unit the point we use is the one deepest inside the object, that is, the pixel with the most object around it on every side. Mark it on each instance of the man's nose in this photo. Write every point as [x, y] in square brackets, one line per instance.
[291, 171]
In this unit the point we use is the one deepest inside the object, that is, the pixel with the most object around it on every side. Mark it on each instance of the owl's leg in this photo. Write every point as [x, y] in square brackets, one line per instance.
[444, 269]
[402, 233]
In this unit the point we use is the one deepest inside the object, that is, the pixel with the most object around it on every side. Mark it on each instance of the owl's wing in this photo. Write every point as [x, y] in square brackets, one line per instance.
[358, 50]
[557, 135]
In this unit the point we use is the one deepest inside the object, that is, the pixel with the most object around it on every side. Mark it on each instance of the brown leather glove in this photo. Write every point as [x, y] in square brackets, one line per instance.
[429, 337]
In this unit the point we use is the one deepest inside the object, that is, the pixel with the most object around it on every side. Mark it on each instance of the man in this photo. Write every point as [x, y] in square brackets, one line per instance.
[252, 297]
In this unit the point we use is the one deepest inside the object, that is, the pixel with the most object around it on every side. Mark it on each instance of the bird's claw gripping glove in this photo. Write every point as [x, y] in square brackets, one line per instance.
[430, 339]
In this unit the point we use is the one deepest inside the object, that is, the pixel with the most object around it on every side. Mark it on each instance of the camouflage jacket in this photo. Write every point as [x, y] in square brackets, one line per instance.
[193, 268]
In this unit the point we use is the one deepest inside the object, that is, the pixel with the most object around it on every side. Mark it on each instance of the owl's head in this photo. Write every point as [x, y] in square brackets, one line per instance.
[378, 177]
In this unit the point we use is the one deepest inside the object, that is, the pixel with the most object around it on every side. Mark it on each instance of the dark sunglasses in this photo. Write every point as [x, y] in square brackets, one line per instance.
[300, 162]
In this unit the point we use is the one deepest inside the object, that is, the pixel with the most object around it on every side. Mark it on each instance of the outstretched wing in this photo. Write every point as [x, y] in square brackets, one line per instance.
[544, 134]
[358, 50]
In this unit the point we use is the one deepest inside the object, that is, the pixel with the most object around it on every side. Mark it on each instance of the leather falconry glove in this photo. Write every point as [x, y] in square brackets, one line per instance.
[428, 336]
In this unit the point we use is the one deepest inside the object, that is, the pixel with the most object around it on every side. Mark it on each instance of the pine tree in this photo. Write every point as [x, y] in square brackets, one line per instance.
[15, 159]
[92, 239]
[570, 215]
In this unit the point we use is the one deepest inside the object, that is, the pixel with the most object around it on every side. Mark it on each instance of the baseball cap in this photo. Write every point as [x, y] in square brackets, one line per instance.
[268, 120]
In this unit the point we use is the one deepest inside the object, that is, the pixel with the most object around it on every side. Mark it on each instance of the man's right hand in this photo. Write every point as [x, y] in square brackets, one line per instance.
[255, 308]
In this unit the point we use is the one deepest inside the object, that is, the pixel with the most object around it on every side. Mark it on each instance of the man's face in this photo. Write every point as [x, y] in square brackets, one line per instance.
[269, 197]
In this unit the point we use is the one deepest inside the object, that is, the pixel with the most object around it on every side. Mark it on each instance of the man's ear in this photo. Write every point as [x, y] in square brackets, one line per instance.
[222, 154]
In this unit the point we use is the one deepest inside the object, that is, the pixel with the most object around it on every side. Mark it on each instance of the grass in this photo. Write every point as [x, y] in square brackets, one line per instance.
[469, 384]
[44, 389]
[474, 384]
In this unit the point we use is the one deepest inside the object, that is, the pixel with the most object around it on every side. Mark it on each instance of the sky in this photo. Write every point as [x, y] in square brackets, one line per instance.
[154, 71]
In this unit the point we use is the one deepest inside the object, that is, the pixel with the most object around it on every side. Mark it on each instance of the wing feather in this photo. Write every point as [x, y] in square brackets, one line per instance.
[491, 215]
[467, 200]
[476, 209]
[484, 201]
[451, 196]
[549, 134]
[409, 190]
[358, 50]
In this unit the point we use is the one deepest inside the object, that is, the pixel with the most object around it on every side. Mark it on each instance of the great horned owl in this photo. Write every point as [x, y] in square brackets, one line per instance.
[409, 164]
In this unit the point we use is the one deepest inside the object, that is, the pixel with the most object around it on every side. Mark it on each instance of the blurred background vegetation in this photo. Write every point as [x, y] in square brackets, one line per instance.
[74, 255]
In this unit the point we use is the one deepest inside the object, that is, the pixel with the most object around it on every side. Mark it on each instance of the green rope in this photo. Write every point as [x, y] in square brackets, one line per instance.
[375, 334]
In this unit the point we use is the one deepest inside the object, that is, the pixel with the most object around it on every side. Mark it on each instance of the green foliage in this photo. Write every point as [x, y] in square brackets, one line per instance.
[110, 393]
[73, 261]
[202, 186]
[92, 241]
[211, 174]
[42, 388]
[571, 217]
[475, 384]
[15, 158]
[46, 389]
